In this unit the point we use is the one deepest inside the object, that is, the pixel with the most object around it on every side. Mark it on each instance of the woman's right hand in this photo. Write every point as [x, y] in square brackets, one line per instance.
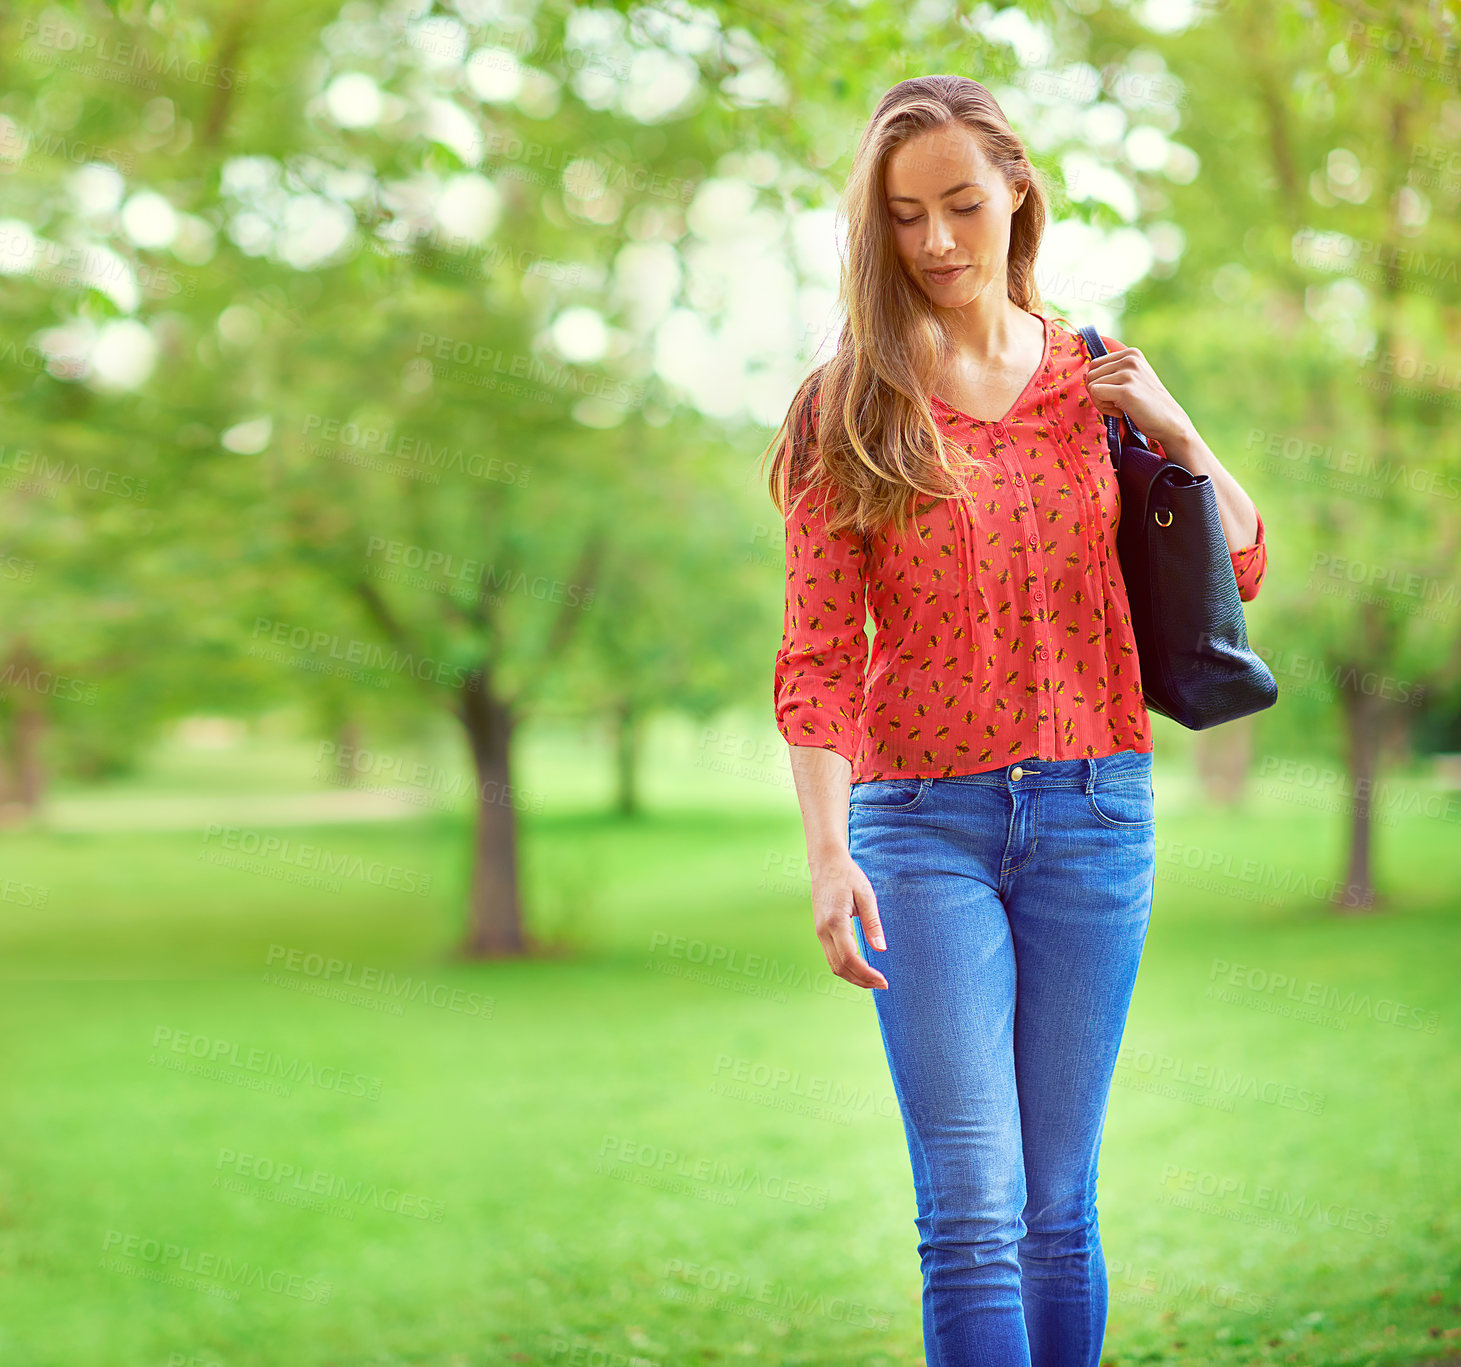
[841, 894]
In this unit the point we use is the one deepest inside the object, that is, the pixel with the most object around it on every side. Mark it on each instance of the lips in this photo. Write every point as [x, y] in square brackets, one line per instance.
[944, 273]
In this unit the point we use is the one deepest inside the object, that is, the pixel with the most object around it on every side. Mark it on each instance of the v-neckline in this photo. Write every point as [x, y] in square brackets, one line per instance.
[1020, 398]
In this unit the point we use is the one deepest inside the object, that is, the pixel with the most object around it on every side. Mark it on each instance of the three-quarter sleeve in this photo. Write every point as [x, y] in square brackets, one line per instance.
[821, 667]
[1249, 563]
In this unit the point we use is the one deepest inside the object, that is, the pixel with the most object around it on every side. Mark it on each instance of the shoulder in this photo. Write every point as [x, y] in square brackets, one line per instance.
[1066, 338]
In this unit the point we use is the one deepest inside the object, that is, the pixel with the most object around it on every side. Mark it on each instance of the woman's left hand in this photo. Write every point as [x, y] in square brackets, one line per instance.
[1123, 381]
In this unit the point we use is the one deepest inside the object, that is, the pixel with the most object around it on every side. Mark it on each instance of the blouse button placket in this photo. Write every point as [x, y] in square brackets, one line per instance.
[1042, 648]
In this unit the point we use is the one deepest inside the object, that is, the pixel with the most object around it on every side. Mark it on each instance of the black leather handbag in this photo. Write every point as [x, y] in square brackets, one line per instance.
[1191, 638]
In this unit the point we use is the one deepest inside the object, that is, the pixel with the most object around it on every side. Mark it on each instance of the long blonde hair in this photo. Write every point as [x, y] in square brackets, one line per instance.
[877, 443]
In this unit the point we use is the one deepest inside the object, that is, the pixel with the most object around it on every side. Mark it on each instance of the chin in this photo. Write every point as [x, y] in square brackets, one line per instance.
[956, 293]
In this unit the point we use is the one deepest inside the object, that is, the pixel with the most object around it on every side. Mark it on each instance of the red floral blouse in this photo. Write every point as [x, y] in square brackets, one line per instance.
[1002, 626]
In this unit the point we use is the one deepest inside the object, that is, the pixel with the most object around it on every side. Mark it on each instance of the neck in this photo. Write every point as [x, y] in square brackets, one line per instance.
[989, 326]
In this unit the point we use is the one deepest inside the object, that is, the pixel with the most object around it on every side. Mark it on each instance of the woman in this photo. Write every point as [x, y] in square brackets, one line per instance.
[977, 796]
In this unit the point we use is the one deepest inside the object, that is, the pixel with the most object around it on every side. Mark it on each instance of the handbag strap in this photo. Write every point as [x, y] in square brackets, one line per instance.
[1097, 347]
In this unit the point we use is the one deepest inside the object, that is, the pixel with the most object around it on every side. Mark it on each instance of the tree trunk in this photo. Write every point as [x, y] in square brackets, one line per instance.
[1364, 732]
[626, 747]
[1396, 741]
[12, 811]
[347, 746]
[27, 725]
[1223, 755]
[30, 764]
[494, 926]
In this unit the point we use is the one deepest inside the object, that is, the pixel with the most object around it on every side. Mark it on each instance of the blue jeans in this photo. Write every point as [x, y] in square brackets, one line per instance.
[1015, 906]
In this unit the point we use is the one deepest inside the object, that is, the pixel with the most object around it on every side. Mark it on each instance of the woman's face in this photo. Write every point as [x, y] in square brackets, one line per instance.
[950, 211]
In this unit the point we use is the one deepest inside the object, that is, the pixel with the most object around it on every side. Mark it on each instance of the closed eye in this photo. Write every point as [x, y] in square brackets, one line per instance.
[973, 208]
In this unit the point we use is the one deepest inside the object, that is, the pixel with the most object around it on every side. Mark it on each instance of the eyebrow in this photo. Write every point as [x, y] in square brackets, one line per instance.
[966, 185]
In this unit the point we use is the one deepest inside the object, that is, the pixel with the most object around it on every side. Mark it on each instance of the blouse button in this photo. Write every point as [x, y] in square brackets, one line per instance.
[1039, 595]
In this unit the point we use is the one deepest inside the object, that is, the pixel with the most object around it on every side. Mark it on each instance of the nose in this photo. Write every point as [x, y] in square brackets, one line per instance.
[939, 237]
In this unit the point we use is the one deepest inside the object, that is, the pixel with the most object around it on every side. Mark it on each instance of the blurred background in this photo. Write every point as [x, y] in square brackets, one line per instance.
[406, 926]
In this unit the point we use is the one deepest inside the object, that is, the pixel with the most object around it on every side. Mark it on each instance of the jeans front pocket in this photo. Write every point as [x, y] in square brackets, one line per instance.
[1124, 804]
[888, 794]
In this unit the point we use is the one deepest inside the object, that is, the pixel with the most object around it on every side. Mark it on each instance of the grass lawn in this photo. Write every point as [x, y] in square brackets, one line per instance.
[674, 1140]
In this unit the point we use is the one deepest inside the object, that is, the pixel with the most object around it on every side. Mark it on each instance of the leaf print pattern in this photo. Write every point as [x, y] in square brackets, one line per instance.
[1001, 623]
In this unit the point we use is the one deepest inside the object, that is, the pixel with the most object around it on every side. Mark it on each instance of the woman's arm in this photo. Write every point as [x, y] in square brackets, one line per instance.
[1123, 381]
[1239, 514]
[840, 890]
[1242, 525]
[818, 693]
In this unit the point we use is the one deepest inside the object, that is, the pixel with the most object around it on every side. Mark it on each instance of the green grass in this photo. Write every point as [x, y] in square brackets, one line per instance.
[582, 1184]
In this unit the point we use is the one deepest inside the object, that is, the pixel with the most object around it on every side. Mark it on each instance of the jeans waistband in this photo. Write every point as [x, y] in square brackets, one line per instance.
[1060, 773]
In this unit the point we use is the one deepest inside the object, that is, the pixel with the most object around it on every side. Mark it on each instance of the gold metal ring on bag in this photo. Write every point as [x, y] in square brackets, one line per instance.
[1158, 515]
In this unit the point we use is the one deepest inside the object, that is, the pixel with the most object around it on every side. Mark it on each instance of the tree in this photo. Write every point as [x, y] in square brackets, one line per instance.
[1306, 268]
